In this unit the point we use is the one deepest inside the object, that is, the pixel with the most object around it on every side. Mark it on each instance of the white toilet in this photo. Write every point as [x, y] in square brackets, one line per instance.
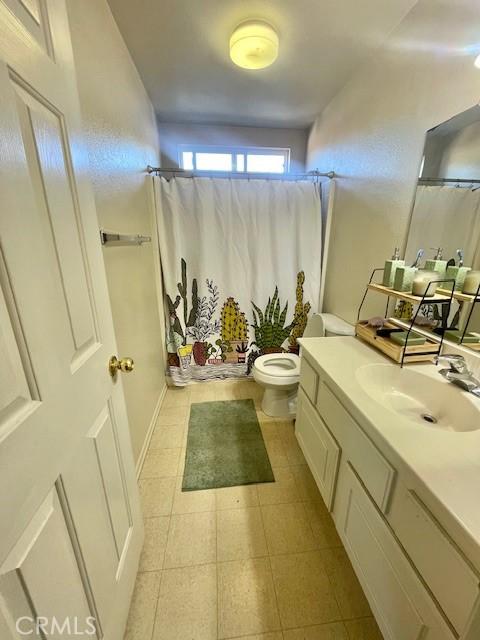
[279, 373]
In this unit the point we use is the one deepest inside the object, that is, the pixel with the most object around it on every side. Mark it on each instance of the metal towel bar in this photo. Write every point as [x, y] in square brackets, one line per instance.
[120, 239]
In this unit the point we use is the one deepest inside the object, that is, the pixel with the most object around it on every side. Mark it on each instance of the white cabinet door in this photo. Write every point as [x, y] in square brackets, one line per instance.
[70, 524]
[319, 448]
[435, 556]
[309, 380]
[402, 606]
[376, 472]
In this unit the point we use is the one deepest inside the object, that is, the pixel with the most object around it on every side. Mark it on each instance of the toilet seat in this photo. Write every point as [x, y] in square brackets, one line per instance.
[280, 365]
[279, 373]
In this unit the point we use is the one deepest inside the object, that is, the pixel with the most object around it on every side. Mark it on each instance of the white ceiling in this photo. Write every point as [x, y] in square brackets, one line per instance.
[180, 48]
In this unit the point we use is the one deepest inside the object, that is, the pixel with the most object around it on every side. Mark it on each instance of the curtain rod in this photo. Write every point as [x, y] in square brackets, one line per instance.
[457, 180]
[239, 174]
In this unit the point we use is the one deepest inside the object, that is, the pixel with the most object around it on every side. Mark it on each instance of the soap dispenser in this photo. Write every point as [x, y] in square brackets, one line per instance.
[390, 268]
[437, 264]
[457, 273]
[403, 280]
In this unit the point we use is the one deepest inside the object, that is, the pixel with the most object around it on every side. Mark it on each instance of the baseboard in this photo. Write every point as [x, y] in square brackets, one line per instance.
[148, 437]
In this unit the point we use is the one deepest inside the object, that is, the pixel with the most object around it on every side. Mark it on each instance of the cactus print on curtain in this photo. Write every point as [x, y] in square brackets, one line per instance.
[241, 271]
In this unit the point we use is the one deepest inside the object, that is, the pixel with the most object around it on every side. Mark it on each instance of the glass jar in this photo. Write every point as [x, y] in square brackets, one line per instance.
[421, 283]
[471, 283]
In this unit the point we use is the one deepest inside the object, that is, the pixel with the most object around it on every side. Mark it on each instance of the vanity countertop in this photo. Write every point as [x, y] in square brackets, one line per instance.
[443, 466]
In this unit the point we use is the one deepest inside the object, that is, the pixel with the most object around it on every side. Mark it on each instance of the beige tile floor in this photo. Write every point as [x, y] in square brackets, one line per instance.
[260, 562]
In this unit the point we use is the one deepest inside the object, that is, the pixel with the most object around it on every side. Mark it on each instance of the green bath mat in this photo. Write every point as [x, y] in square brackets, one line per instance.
[225, 446]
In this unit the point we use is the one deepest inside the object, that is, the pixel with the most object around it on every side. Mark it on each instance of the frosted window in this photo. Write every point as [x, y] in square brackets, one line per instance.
[213, 161]
[235, 158]
[187, 160]
[257, 163]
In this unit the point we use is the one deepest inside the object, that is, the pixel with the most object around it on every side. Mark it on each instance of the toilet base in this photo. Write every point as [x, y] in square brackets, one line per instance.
[280, 403]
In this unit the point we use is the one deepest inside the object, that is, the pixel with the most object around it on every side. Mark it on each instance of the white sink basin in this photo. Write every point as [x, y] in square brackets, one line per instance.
[420, 398]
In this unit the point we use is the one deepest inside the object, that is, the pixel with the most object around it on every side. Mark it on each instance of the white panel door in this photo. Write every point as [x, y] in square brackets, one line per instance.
[70, 522]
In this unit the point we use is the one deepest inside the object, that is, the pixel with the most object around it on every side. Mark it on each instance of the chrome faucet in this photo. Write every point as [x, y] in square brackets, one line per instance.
[459, 373]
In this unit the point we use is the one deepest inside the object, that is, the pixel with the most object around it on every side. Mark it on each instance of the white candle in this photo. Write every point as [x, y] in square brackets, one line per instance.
[471, 283]
[421, 283]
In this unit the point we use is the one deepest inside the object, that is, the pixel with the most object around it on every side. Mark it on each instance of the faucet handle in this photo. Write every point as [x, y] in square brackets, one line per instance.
[457, 362]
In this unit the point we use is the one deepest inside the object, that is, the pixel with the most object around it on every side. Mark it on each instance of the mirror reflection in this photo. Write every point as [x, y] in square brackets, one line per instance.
[445, 220]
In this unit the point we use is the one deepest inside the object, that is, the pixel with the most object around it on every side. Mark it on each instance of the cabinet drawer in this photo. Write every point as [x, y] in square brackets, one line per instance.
[376, 473]
[319, 448]
[308, 380]
[400, 602]
[447, 573]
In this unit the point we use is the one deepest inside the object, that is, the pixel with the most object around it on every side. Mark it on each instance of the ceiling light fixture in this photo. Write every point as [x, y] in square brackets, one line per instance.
[477, 62]
[254, 45]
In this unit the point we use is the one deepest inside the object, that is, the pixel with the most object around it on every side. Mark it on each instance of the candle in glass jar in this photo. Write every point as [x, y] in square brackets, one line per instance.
[471, 283]
[421, 283]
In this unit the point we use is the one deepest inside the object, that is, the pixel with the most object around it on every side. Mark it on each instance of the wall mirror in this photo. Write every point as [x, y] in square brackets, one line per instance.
[446, 215]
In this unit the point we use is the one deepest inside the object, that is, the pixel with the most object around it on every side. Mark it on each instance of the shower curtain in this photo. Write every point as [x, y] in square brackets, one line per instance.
[241, 263]
[447, 217]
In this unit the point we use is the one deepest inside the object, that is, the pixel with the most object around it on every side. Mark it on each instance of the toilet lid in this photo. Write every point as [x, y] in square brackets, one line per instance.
[279, 364]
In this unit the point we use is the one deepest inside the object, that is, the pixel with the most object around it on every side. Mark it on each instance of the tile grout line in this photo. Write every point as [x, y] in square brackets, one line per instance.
[216, 562]
[157, 604]
[171, 515]
[271, 573]
[310, 525]
[317, 548]
[162, 572]
[249, 635]
[244, 559]
[217, 570]
[333, 592]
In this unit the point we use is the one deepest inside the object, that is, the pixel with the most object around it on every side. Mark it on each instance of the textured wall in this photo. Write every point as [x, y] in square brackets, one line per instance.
[171, 135]
[121, 140]
[372, 134]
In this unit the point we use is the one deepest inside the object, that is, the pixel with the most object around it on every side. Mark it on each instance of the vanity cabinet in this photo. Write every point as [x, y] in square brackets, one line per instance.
[418, 583]
[453, 582]
[402, 607]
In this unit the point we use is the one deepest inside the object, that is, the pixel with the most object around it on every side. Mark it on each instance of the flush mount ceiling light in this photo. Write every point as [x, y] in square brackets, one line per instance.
[254, 45]
[477, 62]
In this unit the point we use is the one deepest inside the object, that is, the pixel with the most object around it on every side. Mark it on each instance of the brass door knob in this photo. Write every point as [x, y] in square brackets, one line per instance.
[124, 364]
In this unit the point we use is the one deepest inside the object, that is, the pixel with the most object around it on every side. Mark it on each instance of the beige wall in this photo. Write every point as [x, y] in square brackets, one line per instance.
[121, 140]
[171, 135]
[372, 134]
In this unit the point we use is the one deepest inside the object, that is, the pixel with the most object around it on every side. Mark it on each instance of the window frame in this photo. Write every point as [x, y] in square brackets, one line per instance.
[234, 151]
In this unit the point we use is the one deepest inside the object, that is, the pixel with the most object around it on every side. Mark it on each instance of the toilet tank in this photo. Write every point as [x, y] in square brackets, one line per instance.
[327, 324]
